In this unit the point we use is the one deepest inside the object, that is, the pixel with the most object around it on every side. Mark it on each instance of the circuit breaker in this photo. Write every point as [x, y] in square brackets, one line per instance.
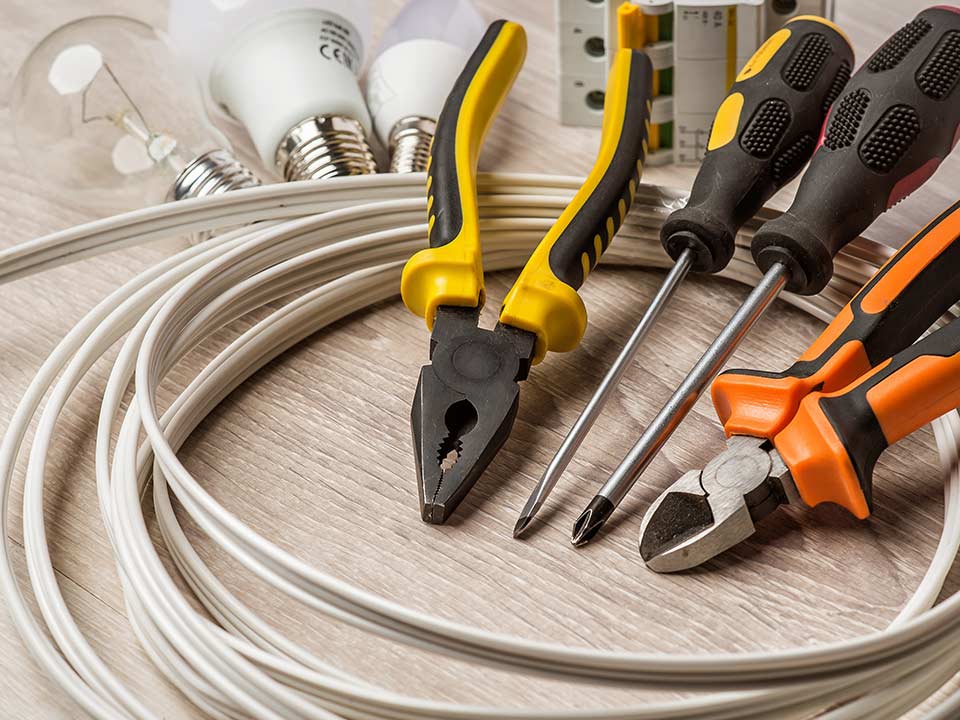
[696, 48]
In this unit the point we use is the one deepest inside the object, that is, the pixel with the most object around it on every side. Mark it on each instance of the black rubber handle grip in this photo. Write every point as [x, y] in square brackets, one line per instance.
[450, 271]
[885, 136]
[902, 300]
[763, 134]
[544, 299]
[467, 113]
[598, 209]
[833, 444]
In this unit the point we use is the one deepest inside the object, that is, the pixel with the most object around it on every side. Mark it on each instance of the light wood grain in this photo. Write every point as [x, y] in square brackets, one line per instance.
[315, 453]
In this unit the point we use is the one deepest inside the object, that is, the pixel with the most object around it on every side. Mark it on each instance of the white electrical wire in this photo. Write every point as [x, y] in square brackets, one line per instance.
[342, 243]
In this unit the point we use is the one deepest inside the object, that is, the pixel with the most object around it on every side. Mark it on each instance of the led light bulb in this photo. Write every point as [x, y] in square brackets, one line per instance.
[287, 71]
[420, 57]
[101, 111]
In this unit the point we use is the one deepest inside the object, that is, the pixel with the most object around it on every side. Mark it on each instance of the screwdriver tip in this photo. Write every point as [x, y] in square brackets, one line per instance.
[523, 522]
[591, 520]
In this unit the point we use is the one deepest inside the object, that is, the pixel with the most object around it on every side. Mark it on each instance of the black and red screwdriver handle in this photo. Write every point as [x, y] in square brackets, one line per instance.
[833, 443]
[902, 300]
[763, 134]
[885, 136]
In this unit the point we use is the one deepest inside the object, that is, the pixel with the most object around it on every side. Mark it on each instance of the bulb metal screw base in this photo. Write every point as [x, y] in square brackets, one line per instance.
[212, 173]
[324, 146]
[409, 144]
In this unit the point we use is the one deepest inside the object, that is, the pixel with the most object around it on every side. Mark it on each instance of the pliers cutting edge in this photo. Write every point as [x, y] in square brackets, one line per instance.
[467, 397]
[813, 433]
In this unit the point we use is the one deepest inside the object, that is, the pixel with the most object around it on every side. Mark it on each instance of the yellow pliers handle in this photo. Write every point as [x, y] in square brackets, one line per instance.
[450, 271]
[544, 299]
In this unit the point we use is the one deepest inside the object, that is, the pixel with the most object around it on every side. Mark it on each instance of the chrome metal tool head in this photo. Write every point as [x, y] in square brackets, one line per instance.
[465, 405]
[708, 511]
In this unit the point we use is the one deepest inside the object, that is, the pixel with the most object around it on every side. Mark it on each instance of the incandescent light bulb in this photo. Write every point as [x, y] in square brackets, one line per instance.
[287, 71]
[101, 111]
[421, 55]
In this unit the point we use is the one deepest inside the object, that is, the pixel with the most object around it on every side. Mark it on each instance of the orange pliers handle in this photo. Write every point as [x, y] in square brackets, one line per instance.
[860, 386]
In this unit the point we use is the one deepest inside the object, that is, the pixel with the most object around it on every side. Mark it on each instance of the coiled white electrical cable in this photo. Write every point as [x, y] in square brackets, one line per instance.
[343, 242]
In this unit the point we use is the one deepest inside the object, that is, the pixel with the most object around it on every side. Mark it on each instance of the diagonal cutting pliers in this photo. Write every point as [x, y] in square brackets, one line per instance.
[467, 396]
[814, 432]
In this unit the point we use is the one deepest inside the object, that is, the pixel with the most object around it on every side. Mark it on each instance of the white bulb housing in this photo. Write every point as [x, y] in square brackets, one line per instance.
[287, 68]
[412, 79]
[274, 64]
[420, 57]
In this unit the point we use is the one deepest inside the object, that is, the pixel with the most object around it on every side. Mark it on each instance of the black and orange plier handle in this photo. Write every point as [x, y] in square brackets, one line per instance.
[467, 397]
[814, 432]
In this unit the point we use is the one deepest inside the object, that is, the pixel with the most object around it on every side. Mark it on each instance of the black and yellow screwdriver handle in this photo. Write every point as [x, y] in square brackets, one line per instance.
[885, 136]
[833, 443]
[903, 299]
[544, 299]
[763, 134]
[450, 271]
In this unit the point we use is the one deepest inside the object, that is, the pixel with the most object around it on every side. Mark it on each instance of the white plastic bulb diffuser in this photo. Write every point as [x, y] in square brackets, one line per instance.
[102, 112]
[421, 55]
[287, 71]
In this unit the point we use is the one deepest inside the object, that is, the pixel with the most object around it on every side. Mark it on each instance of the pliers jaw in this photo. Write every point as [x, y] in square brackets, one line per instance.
[465, 404]
[708, 511]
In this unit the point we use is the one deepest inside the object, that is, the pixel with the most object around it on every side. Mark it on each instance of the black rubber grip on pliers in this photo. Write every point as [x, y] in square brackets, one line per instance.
[544, 299]
[616, 173]
[885, 136]
[905, 297]
[445, 180]
[763, 134]
[450, 270]
[833, 443]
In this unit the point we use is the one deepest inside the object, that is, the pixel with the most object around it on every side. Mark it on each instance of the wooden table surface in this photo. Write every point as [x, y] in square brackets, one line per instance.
[314, 451]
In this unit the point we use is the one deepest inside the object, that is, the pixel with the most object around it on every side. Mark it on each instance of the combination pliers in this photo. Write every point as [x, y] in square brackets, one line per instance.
[814, 432]
[467, 396]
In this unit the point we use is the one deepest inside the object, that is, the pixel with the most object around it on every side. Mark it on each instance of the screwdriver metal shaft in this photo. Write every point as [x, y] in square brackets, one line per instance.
[592, 410]
[762, 135]
[679, 404]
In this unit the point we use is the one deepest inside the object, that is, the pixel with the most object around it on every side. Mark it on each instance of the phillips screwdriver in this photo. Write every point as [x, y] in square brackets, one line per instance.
[884, 137]
[763, 134]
